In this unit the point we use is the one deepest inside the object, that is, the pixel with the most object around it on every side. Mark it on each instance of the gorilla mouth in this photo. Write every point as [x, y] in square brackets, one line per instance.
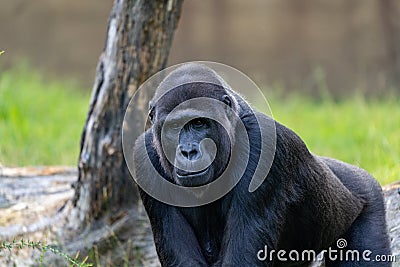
[186, 174]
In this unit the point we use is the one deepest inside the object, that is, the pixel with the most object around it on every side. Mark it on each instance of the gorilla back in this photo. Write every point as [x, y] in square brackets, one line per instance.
[306, 202]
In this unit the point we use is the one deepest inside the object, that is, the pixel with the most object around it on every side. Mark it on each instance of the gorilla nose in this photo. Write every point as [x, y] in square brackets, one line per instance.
[190, 151]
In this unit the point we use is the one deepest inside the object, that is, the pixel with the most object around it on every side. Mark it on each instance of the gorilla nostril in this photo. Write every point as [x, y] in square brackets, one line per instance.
[185, 153]
[189, 152]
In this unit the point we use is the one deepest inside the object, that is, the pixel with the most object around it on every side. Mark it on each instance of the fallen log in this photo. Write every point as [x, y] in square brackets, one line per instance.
[35, 205]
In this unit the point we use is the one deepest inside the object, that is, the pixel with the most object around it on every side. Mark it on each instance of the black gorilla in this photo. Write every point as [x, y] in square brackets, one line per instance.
[306, 202]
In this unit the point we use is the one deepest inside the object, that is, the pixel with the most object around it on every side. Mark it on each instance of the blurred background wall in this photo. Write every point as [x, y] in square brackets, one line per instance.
[342, 45]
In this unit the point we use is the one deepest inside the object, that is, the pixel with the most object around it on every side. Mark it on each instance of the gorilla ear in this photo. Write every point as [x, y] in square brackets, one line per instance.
[151, 111]
[151, 115]
[227, 100]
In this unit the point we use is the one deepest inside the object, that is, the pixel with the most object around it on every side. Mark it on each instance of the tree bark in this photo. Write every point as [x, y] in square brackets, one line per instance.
[390, 28]
[139, 38]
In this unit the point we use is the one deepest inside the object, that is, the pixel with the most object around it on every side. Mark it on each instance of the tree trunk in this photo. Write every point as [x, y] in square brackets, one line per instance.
[139, 37]
[390, 28]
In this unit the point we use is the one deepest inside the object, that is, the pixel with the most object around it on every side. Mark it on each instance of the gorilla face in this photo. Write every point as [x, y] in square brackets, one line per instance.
[192, 149]
[189, 143]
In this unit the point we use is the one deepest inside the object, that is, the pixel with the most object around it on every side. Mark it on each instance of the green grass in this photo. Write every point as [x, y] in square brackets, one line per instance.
[355, 130]
[40, 121]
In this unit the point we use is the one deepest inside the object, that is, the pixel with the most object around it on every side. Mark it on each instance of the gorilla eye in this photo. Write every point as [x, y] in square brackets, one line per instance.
[198, 123]
[175, 125]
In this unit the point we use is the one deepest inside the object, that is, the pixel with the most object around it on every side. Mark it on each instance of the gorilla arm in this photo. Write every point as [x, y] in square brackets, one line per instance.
[175, 240]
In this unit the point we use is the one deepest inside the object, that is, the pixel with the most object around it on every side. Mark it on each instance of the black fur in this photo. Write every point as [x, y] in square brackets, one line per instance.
[306, 201]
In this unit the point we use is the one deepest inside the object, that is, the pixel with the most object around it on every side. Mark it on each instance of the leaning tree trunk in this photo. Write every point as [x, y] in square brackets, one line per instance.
[139, 37]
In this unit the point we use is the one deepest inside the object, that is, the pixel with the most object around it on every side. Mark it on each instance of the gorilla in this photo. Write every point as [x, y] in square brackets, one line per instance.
[303, 202]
